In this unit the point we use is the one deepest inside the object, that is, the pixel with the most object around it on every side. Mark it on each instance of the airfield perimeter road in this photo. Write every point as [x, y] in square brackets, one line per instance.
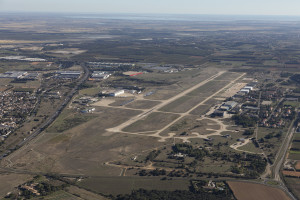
[55, 115]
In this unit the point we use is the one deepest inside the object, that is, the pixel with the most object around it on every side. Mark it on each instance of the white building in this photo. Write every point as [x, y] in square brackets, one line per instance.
[245, 90]
[117, 93]
[68, 74]
[100, 75]
[248, 87]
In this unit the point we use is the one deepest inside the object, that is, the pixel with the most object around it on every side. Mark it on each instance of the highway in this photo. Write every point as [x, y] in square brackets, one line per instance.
[51, 118]
[279, 160]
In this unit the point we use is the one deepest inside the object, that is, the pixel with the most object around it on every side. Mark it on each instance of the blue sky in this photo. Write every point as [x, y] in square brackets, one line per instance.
[233, 7]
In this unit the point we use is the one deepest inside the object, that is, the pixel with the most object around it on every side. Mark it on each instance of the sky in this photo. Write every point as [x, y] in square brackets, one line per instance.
[221, 7]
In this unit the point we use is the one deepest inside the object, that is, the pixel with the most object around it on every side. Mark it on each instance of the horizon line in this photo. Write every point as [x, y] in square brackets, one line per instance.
[132, 13]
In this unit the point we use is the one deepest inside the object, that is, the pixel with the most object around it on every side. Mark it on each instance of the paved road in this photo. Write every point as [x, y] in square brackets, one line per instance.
[280, 158]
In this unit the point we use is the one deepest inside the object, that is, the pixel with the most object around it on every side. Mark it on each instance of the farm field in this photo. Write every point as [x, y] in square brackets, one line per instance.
[294, 152]
[291, 173]
[124, 185]
[252, 191]
[297, 167]
[293, 184]
[59, 195]
[294, 155]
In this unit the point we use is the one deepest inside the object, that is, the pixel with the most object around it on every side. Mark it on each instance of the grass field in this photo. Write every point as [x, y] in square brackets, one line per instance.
[200, 110]
[208, 89]
[183, 104]
[9, 181]
[142, 104]
[120, 101]
[227, 76]
[250, 147]
[124, 185]
[89, 91]
[154, 121]
[252, 191]
[292, 103]
[69, 119]
[84, 149]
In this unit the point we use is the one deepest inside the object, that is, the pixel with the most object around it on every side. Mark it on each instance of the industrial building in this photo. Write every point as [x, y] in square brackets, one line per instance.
[248, 87]
[13, 74]
[229, 105]
[98, 75]
[245, 90]
[117, 93]
[68, 74]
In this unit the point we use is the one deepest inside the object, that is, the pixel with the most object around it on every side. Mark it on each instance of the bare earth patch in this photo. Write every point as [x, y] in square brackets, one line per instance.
[252, 191]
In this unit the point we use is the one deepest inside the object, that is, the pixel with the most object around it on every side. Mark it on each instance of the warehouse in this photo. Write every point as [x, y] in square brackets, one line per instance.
[117, 93]
[68, 74]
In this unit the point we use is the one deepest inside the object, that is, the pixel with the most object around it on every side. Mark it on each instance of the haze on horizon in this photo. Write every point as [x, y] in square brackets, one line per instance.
[218, 7]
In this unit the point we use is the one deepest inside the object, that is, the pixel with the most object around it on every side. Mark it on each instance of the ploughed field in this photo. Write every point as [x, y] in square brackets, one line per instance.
[252, 191]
